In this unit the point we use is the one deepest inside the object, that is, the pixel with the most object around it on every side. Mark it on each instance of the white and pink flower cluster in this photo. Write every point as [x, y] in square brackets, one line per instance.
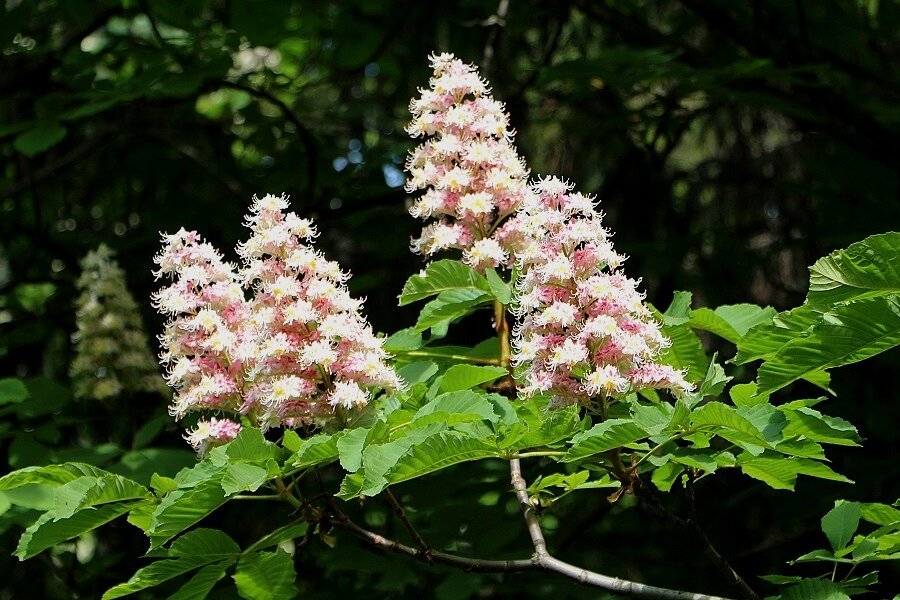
[584, 332]
[293, 353]
[472, 178]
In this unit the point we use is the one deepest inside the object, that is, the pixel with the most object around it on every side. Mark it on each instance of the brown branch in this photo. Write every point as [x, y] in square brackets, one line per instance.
[461, 562]
[691, 525]
[714, 556]
[543, 560]
[400, 513]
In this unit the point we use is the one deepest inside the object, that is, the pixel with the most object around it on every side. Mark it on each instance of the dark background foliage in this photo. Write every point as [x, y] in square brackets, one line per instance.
[731, 144]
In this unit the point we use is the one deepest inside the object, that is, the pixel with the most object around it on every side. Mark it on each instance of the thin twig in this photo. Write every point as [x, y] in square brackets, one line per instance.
[444, 558]
[457, 357]
[673, 520]
[400, 513]
[497, 21]
[717, 559]
[531, 518]
[306, 135]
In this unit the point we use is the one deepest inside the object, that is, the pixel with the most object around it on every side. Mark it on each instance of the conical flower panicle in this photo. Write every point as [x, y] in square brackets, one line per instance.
[314, 351]
[584, 331]
[468, 167]
[112, 355]
[292, 353]
[205, 344]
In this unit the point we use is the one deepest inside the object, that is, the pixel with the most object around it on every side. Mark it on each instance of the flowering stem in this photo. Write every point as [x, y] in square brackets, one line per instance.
[262, 497]
[538, 453]
[502, 327]
[469, 359]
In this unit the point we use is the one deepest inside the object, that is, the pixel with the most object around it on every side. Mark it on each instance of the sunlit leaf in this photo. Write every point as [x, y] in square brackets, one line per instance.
[442, 276]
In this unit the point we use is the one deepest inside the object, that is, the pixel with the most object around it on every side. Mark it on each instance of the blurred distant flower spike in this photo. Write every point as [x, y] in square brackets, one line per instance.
[112, 354]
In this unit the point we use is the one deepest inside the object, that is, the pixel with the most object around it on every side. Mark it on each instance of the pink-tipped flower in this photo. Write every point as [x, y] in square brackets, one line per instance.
[211, 433]
[472, 177]
[584, 331]
[293, 353]
[314, 351]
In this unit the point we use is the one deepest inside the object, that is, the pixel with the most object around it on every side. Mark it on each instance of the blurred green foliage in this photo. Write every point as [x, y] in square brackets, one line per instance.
[731, 144]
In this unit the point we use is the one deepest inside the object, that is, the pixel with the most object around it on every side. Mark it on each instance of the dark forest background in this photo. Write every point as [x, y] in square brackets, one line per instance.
[730, 144]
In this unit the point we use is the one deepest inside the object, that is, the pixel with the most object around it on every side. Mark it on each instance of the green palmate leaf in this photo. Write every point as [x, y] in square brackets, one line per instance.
[686, 352]
[720, 418]
[437, 452]
[715, 381]
[159, 572]
[567, 481]
[653, 418]
[248, 446]
[814, 589]
[764, 340]
[266, 576]
[350, 449]
[847, 334]
[204, 542]
[450, 306]
[39, 139]
[864, 269]
[501, 290]
[89, 491]
[820, 556]
[707, 320]
[665, 476]
[541, 428]
[879, 514]
[282, 534]
[291, 441]
[744, 317]
[679, 310]
[47, 531]
[864, 549]
[379, 458]
[317, 450]
[840, 523]
[418, 372]
[404, 340]
[442, 276]
[703, 460]
[184, 507]
[781, 473]
[730, 322]
[12, 391]
[613, 433]
[801, 448]
[50, 475]
[140, 515]
[813, 425]
[243, 477]
[767, 419]
[459, 402]
[464, 377]
[199, 586]
[744, 394]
